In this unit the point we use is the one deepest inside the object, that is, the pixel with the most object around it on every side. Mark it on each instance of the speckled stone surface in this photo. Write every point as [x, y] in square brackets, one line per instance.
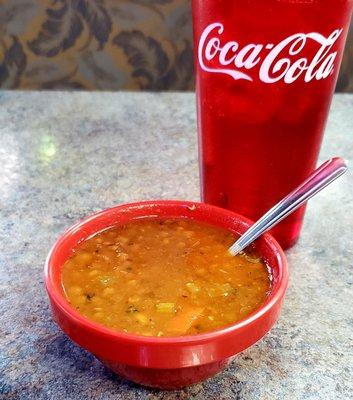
[65, 155]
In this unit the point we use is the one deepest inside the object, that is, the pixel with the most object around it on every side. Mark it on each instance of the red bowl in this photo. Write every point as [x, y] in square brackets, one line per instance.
[171, 362]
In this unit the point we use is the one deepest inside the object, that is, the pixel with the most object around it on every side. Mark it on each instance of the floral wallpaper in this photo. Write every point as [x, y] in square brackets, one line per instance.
[103, 45]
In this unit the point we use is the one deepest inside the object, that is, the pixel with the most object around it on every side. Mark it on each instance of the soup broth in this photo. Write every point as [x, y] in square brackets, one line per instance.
[164, 278]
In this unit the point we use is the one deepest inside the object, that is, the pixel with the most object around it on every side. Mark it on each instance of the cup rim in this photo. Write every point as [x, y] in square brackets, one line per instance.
[277, 292]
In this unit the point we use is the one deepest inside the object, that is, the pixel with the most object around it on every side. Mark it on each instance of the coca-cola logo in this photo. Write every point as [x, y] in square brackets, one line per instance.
[281, 61]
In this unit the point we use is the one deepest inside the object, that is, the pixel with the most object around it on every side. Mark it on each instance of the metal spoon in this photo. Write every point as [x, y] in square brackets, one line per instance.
[318, 180]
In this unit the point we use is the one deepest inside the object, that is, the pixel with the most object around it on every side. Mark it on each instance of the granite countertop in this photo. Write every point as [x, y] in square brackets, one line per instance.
[66, 155]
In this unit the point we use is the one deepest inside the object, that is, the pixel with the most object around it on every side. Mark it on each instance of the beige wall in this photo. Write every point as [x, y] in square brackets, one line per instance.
[96, 44]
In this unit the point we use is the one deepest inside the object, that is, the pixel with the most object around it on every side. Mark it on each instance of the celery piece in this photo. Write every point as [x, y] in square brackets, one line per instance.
[165, 307]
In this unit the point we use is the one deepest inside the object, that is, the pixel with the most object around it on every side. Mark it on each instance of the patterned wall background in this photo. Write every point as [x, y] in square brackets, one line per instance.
[97, 44]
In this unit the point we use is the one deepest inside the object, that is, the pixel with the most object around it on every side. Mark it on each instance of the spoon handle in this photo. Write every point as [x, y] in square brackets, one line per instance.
[318, 180]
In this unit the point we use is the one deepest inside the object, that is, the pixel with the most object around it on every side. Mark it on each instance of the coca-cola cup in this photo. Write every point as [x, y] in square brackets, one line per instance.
[265, 74]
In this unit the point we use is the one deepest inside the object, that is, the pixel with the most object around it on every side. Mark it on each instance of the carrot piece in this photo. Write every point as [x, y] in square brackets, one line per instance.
[184, 320]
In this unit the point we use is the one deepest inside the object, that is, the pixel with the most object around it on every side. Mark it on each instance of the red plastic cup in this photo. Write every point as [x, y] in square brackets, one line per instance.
[265, 74]
[171, 362]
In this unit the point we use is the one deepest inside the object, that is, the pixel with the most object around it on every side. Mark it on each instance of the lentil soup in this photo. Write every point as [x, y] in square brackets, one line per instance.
[164, 278]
